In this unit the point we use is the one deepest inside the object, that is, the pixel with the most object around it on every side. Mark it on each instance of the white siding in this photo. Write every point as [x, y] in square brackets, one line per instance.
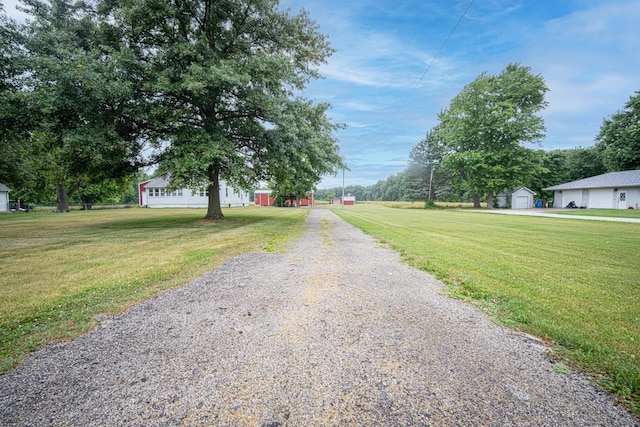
[4, 201]
[522, 199]
[601, 198]
[571, 196]
[186, 198]
[633, 197]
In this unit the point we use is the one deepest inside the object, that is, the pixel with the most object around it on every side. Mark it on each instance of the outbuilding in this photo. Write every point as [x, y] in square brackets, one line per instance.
[349, 199]
[521, 198]
[4, 198]
[263, 198]
[614, 190]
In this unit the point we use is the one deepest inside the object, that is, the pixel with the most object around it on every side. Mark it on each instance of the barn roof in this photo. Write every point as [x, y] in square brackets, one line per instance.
[4, 188]
[607, 180]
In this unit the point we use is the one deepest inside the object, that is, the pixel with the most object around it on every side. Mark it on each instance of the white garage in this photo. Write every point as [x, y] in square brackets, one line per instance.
[521, 198]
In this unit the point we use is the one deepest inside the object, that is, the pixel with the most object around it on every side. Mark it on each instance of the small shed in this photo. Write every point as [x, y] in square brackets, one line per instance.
[520, 198]
[4, 198]
[349, 199]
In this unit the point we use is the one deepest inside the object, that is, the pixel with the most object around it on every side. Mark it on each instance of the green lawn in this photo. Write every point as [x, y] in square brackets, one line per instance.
[612, 213]
[59, 270]
[573, 283]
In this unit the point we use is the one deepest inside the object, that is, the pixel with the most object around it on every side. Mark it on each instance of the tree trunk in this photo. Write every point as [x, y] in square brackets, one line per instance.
[63, 199]
[490, 200]
[476, 201]
[214, 210]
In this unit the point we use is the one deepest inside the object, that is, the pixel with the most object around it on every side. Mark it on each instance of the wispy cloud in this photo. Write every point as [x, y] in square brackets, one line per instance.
[587, 51]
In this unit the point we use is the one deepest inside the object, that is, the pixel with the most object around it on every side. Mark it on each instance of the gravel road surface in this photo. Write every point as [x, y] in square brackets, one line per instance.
[334, 332]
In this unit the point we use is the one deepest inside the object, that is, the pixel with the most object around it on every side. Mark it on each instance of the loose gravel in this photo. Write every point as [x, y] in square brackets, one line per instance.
[334, 332]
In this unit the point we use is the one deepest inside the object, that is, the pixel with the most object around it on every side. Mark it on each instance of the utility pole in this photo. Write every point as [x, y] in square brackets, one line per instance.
[342, 200]
[431, 182]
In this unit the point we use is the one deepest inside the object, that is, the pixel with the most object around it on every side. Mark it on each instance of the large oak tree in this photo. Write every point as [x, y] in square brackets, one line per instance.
[221, 74]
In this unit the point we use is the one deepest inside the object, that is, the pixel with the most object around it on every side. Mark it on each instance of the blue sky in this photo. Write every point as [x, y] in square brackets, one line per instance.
[588, 52]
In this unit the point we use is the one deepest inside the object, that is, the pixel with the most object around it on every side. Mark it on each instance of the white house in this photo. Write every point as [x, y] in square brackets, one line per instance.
[614, 190]
[521, 198]
[4, 198]
[154, 194]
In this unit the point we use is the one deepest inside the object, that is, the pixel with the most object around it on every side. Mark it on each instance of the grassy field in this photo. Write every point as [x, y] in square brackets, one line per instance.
[420, 205]
[573, 283]
[609, 213]
[57, 271]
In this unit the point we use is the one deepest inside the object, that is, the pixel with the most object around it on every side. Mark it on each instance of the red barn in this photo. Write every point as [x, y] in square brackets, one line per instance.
[263, 198]
[308, 201]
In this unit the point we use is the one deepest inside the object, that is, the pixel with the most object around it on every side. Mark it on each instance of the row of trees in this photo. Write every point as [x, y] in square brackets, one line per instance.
[480, 146]
[204, 89]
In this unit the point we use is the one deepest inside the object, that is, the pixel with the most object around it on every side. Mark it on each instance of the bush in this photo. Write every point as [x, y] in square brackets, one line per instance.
[430, 204]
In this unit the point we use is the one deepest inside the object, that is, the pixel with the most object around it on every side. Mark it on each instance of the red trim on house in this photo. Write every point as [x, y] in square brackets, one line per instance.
[141, 189]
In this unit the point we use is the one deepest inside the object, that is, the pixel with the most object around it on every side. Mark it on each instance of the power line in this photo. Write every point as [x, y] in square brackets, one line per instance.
[443, 44]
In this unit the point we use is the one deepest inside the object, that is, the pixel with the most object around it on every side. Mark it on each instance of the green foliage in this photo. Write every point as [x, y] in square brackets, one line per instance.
[619, 137]
[482, 130]
[14, 122]
[223, 75]
[306, 149]
[430, 204]
[82, 96]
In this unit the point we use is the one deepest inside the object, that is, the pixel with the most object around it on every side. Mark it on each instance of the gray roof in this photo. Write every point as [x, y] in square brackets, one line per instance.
[160, 182]
[510, 192]
[608, 180]
[4, 188]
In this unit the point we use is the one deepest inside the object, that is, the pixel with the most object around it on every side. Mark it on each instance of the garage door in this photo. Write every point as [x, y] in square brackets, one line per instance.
[522, 202]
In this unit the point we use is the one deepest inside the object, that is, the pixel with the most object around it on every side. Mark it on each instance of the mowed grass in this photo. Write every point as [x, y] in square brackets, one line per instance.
[57, 271]
[609, 213]
[574, 283]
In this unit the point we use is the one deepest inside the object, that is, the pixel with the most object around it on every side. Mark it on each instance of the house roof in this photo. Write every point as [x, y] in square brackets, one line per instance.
[4, 188]
[607, 180]
[515, 190]
[158, 182]
[525, 189]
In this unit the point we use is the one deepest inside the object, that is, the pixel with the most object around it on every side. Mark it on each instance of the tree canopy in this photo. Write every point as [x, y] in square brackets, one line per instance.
[619, 137]
[79, 97]
[222, 76]
[212, 86]
[484, 130]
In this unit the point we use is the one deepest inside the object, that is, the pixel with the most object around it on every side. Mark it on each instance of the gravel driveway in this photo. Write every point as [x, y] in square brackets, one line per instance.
[336, 331]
